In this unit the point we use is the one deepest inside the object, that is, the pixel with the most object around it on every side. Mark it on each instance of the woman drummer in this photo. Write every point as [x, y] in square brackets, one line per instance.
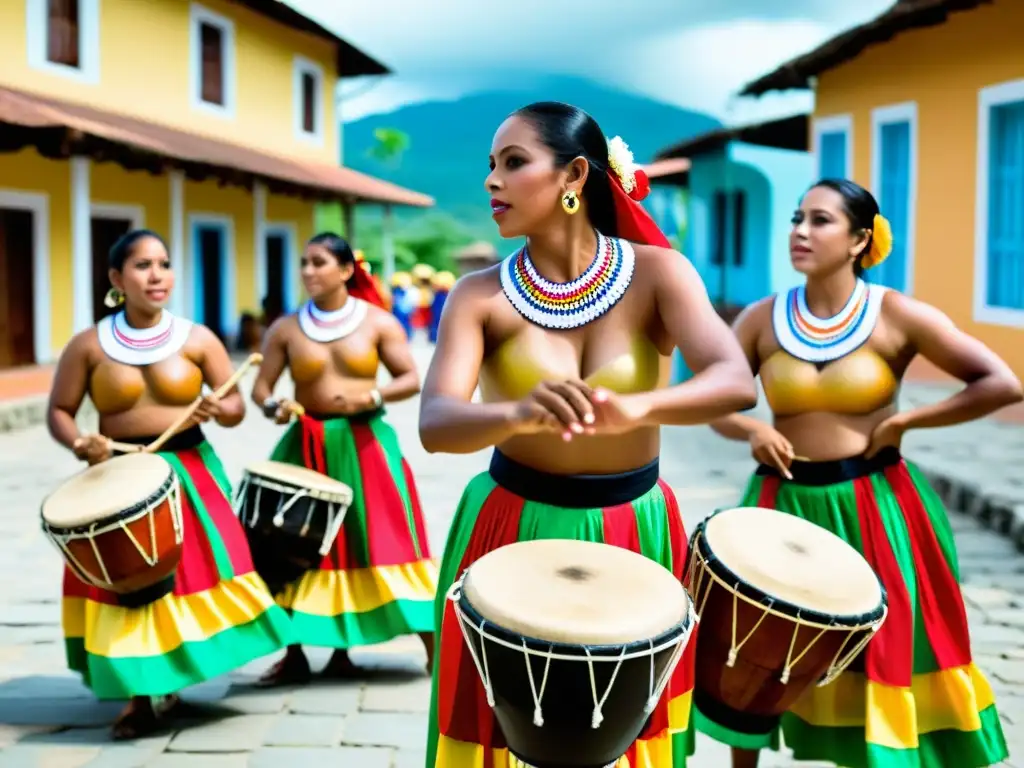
[831, 355]
[569, 340]
[141, 367]
[378, 582]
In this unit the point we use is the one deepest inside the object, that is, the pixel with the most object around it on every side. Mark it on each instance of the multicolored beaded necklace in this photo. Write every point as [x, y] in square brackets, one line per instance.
[578, 302]
[820, 340]
[142, 346]
[330, 326]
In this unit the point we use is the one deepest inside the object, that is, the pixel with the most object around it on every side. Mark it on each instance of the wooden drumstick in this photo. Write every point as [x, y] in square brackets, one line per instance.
[296, 409]
[227, 386]
[125, 447]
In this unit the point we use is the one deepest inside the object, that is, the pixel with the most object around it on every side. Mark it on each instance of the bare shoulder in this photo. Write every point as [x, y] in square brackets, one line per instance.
[84, 345]
[908, 313]
[481, 284]
[662, 262]
[758, 313]
[382, 320]
[284, 325]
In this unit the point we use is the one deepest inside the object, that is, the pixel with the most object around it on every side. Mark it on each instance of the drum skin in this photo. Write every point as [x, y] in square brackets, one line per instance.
[128, 572]
[749, 696]
[568, 739]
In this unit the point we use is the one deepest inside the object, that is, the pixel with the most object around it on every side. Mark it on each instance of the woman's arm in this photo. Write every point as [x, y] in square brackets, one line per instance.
[70, 383]
[746, 328]
[275, 358]
[216, 368]
[449, 422]
[723, 382]
[396, 354]
[991, 384]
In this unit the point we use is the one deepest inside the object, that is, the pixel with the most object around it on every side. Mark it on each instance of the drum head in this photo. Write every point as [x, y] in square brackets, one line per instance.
[791, 559]
[577, 592]
[106, 490]
[300, 477]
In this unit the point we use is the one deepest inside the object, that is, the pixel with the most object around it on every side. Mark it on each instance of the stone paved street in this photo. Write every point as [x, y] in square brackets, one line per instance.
[48, 719]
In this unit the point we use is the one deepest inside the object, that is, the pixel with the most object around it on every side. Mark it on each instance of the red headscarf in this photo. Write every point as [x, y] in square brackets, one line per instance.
[634, 222]
[361, 286]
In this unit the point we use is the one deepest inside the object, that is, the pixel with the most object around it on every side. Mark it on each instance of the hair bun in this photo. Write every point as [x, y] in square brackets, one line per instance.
[881, 243]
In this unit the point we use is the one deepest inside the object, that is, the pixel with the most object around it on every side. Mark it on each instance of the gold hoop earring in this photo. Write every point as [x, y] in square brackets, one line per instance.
[114, 298]
[570, 202]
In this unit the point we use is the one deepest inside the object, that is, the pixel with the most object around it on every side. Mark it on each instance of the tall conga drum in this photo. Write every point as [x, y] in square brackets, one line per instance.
[784, 604]
[574, 642]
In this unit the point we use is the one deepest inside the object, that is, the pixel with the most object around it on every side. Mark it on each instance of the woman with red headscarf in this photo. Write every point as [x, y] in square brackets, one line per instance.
[569, 340]
[378, 581]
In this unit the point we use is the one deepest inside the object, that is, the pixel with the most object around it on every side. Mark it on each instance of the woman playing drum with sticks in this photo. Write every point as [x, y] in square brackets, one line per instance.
[831, 355]
[142, 367]
[378, 581]
[568, 340]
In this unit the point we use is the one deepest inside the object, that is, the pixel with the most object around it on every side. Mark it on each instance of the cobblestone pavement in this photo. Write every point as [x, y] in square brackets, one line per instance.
[48, 719]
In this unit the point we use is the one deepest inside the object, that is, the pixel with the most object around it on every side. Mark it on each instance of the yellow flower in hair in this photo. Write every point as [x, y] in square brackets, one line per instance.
[881, 243]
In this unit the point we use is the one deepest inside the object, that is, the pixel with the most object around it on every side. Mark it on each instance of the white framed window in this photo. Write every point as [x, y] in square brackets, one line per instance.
[64, 38]
[999, 206]
[212, 81]
[894, 183]
[832, 146]
[308, 99]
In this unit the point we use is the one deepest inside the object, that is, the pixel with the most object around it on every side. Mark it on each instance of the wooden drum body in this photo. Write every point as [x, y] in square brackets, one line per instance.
[574, 642]
[783, 604]
[292, 516]
[118, 525]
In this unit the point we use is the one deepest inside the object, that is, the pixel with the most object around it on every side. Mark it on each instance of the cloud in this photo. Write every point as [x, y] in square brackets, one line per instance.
[689, 52]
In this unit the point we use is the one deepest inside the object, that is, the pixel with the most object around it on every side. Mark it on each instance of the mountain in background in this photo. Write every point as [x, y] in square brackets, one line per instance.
[449, 141]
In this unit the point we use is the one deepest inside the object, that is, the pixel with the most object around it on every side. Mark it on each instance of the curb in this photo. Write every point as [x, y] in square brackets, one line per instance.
[23, 413]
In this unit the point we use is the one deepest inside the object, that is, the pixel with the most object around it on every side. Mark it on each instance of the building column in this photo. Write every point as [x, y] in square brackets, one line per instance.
[176, 241]
[259, 218]
[81, 244]
[388, 244]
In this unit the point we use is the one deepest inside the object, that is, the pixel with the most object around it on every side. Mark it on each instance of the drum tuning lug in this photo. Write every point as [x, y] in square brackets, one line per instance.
[733, 654]
[784, 679]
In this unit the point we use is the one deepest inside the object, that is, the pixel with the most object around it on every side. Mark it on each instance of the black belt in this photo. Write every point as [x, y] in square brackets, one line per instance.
[189, 438]
[837, 471]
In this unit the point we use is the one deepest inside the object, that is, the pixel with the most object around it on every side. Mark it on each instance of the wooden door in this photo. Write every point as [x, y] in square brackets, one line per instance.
[210, 279]
[105, 232]
[17, 305]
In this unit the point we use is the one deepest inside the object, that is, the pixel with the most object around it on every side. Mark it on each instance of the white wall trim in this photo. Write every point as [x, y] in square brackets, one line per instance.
[81, 242]
[989, 97]
[228, 298]
[38, 203]
[259, 216]
[176, 240]
[199, 14]
[880, 117]
[88, 71]
[300, 66]
[832, 124]
[136, 214]
[291, 255]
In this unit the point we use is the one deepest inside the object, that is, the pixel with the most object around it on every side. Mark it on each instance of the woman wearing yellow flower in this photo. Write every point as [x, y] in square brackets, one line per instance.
[831, 355]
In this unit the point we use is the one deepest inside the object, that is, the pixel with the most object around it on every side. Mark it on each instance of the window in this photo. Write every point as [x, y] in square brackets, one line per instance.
[894, 178]
[999, 253]
[63, 38]
[832, 146]
[212, 62]
[728, 216]
[308, 107]
[719, 214]
[739, 220]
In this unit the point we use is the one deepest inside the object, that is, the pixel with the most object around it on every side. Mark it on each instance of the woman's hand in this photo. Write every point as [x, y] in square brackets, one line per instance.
[350, 405]
[888, 434]
[92, 449]
[208, 409]
[555, 406]
[768, 446]
[615, 413]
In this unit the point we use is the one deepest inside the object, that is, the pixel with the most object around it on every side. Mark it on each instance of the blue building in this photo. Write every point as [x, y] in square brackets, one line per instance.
[742, 186]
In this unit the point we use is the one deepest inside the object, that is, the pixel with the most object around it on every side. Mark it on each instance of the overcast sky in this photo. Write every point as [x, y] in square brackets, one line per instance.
[694, 53]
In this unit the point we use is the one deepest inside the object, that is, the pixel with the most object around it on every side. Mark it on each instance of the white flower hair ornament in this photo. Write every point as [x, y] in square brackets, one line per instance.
[631, 178]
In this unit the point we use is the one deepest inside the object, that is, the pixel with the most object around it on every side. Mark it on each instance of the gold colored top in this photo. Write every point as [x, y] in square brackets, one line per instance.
[352, 359]
[516, 367]
[858, 384]
[116, 387]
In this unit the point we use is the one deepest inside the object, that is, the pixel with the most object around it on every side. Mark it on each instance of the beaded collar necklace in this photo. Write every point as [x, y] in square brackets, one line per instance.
[142, 346]
[330, 326]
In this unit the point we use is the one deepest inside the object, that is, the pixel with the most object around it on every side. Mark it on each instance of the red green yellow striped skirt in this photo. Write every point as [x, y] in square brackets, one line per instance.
[379, 580]
[463, 732]
[218, 617]
[915, 699]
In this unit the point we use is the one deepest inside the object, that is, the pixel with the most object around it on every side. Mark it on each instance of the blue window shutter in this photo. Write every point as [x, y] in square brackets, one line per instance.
[1005, 255]
[894, 200]
[832, 155]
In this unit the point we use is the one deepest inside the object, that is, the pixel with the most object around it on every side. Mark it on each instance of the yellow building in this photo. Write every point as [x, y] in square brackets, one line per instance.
[213, 123]
[924, 105]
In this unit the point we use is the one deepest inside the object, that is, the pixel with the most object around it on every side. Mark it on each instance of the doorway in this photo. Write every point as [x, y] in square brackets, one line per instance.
[105, 232]
[17, 287]
[209, 305]
[277, 301]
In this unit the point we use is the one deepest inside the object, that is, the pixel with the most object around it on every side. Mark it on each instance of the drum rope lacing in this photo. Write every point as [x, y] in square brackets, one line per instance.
[335, 509]
[839, 662]
[597, 717]
[94, 531]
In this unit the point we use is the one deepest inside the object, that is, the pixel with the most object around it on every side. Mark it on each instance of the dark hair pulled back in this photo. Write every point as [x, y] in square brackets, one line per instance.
[125, 246]
[860, 208]
[336, 245]
[569, 132]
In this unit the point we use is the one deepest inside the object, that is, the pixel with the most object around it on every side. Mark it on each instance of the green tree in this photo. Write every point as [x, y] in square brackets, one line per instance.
[389, 146]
